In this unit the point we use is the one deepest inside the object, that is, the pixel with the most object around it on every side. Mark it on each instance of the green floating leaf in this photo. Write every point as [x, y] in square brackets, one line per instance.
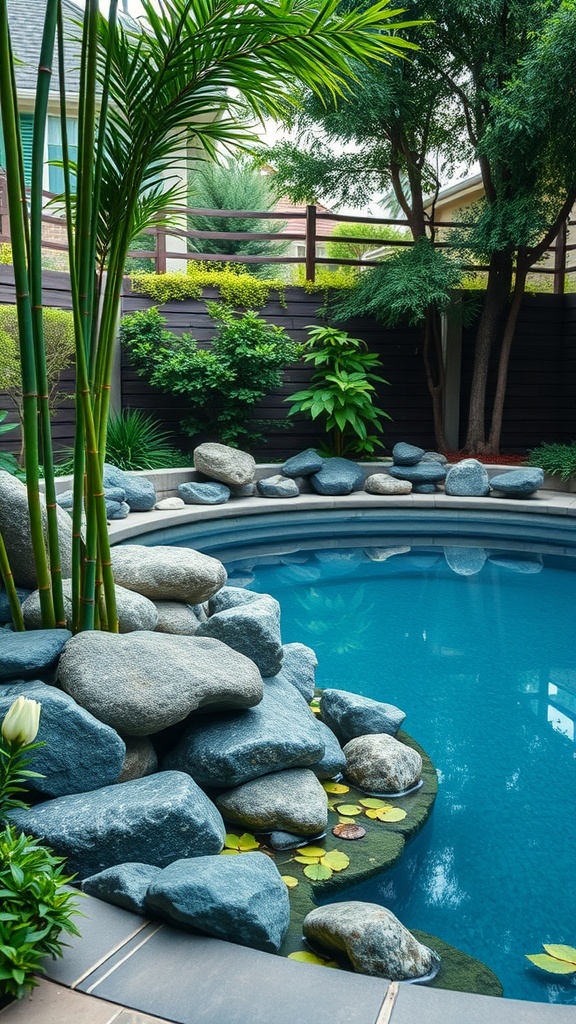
[311, 958]
[230, 853]
[248, 842]
[349, 809]
[346, 821]
[289, 881]
[335, 787]
[387, 813]
[336, 860]
[551, 964]
[318, 872]
[311, 851]
[567, 953]
[307, 860]
[231, 842]
[373, 802]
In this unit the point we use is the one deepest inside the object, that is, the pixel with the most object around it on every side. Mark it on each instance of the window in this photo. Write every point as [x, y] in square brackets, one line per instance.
[56, 174]
[26, 125]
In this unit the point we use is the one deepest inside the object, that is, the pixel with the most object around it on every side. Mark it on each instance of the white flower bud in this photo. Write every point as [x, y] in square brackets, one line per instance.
[21, 722]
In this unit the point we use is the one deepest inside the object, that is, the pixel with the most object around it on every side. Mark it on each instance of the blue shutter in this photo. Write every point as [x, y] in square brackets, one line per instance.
[26, 127]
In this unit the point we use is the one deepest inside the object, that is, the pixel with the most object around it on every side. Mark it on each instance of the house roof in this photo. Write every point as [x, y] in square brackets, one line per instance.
[26, 19]
[284, 207]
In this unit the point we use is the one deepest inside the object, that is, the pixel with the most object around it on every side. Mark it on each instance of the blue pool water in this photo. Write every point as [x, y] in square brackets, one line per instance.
[476, 643]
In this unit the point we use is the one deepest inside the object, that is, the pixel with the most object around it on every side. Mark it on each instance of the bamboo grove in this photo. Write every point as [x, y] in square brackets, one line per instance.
[187, 81]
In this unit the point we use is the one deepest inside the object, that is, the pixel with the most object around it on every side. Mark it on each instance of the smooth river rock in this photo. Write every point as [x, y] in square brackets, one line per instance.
[518, 483]
[143, 682]
[231, 748]
[252, 628]
[155, 820]
[383, 483]
[140, 493]
[372, 938]
[228, 465]
[194, 493]
[277, 487]
[381, 764]
[140, 760]
[333, 761]
[289, 801]
[15, 531]
[124, 885]
[299, 664]
[338, 476]
[167, 573]
[421, 473]
[176, 617]
[303, 464]
[405, 454]
[467, 478]
[31, 654]
[79, 753]
[240, 899]
[134, 610]
[349, 715]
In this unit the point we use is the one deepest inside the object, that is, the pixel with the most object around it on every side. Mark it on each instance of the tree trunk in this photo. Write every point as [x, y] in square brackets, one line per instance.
[491, 323]
[493, 444]
[434, 369]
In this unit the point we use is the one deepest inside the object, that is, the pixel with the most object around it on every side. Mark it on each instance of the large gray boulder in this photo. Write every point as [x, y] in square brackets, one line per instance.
[194, 493]
[252, 629]
[303, 464]
[372, 938]
[299, 664]
[338, 476]
[349, 715]
[228, 749]
[240, 899]
[134, 610]
[167, 573]
[155, 820]
[31, 654]
[230, 597]
[124, 885]
[467, 478]
[422, 473]
[381, 764]
[228, 465]
[15, 531]
[404, 454]
[176, 617]
[140, 494]
[289, 801]
[143, 682]
[79, 752]
[518, 483]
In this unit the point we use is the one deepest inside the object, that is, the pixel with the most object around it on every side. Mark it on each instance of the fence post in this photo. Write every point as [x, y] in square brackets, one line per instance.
[161, 250]
[310, 243]
[560, 260]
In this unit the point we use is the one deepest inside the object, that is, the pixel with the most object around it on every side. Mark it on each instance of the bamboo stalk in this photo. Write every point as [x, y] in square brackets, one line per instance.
[10, 588]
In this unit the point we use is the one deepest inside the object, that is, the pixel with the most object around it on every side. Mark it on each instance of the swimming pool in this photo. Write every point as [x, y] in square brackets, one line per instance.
[469, 627]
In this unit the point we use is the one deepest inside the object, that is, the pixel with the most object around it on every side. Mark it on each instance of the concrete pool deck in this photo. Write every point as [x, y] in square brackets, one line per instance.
[126, 970]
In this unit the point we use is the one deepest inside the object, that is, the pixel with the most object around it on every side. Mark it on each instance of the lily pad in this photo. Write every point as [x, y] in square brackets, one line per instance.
[307, 860]
[386, 813]
[289, 881]
[551, 964]
[567, 953]
[335, 787]
[318, 872]
[311, 851]
[336, 860]
[373, 802]
[349, 809]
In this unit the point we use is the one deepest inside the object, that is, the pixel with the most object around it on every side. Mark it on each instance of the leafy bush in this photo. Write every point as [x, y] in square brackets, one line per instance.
[342, 391]
[136, 441]
[223, 383]
[235, 286]
[5, 253]
[559, 459]
[7, 461]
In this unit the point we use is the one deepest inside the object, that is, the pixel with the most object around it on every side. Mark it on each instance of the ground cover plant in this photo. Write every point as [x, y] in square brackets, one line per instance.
[558, 459]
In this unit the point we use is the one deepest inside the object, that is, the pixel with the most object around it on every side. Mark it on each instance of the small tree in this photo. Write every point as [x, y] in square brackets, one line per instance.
[376, 234]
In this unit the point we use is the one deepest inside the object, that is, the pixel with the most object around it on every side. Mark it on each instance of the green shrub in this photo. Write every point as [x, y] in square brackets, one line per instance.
[235, 286]
[559, 459]
[59, 344]
[136, 441]
[221, 384]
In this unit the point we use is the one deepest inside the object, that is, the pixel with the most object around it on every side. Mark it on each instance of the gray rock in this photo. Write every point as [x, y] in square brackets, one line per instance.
[240, 899]
[176, 617]
[79, 753]
[349, 715]
[140, 492]
[143, 682]
[372, 938]
[285, 841]
[424, 489]
[29, 655]
[243, 490]
[338, 476]
[278, 487]
[252, 629]
[228, 465]
[465, 561]
[518, 483]
[117, 510]
[287, 801]
[134, 611]
[167, 573]
[334, 760]
[405, 454]
[303, 464]
[15, 531]
[467, 478]
[434, 457]
[383, 483]
[168, 504]
[155, 820]
[422, 473]
[204, 494]
[140, 759]
[5, 613]
[230, 597]
[228, 749]
[381, 764]
[299, 664]
[124, 885]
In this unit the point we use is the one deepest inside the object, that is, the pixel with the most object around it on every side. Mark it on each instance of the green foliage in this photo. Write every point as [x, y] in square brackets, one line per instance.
[326, 280]
[136, 441]
[376, 235]
[221, 384]
[139, 264]
[403, 287]
[559, 459]
[558, 959]
[5, 253]
[233, 185]
[7, 461]
[36, 909]
[235, 287]
[58, 327]
[342, 391]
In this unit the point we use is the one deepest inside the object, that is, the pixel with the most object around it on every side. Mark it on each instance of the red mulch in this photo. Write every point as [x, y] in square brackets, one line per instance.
[494, 460]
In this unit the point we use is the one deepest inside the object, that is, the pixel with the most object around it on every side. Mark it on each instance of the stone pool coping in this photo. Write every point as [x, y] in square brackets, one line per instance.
[126, 970]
